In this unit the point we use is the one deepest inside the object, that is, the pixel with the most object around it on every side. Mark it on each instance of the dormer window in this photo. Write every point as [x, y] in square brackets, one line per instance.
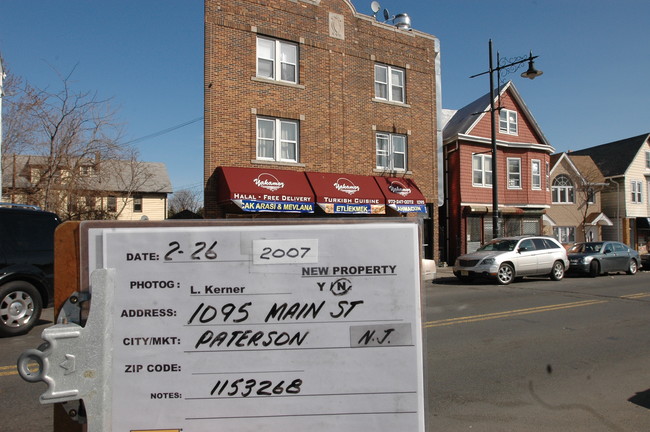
[508, 121]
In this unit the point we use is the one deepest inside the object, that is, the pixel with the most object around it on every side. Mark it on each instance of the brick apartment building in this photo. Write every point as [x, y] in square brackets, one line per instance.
[315, 110]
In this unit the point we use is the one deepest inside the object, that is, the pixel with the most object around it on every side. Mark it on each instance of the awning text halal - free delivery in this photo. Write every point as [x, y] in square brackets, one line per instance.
[265, 190]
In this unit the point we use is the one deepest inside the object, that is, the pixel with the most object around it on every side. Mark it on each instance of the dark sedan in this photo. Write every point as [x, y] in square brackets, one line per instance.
[595, 258]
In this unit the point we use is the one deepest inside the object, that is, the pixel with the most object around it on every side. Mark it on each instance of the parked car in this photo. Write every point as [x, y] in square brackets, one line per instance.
[26, 266]
[507, 258]
[595, 258]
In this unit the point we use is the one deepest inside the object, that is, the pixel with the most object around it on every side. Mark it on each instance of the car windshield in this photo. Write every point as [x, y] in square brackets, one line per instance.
[586, 247]
[499, 245]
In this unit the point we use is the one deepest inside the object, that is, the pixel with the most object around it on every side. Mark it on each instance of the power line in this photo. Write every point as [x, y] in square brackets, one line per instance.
[164, 131]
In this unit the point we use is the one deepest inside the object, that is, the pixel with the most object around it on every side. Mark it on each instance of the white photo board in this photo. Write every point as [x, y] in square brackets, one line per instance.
[280, 327]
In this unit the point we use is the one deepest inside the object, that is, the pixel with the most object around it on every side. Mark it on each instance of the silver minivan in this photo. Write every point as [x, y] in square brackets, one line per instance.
[507, 258]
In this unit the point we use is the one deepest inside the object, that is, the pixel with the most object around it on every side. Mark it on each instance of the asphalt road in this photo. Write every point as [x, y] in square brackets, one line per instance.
[539, 355]
[20, 410]
[536, 355]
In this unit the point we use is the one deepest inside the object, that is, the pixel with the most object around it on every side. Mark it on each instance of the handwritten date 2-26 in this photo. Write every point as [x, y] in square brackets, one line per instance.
[199, 251]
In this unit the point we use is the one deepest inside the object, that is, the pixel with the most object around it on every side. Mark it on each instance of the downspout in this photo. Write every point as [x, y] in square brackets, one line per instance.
[441, 191]
[440, 145]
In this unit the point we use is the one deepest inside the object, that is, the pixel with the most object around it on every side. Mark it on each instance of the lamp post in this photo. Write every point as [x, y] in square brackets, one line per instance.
[509, 66]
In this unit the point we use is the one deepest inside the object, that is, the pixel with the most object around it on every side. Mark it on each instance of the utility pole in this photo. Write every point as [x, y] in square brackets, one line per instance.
[2, 93]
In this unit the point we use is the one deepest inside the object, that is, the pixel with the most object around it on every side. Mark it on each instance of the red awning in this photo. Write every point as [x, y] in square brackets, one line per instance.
[260, 189]
[402, 194]
[347, 193]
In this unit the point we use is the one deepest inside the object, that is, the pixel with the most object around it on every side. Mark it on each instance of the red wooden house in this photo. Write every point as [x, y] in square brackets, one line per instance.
[522, 170]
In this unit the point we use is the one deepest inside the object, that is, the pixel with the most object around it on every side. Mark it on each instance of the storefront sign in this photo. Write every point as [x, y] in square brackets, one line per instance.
[275, 327]
[275, 206]
[402, 194]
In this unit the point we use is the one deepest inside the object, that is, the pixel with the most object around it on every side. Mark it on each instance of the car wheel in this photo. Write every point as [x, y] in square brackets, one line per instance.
[594, 268]
[505, 274]
[20, 308]
[632, 267]
[558, 271]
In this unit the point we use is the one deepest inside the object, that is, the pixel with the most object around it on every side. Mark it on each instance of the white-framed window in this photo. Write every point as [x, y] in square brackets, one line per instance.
[647, 159]
[591, 195]
[137, 204]
[563, 191]
[389, 83]
[277, 139]
[514, 173]
[111, 204]
[508, 121]
[536, 174]
[391, 151]
[277, 60]
[637, 192]
[565, 234]
[482, 170]
[548, 175]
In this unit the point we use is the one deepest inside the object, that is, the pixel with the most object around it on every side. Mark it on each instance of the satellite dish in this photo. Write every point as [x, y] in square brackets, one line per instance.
[375, 6]
[386, 14]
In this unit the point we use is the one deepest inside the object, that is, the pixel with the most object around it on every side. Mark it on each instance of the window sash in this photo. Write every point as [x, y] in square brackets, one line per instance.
[536, 175]
[391, 151]
[389, 83]
[111, 204]
[514, 173]
[637, 192]
[277, 60]
[137, 204]
[565, 234]
[277, 140]
[481, 170]
[508, 121]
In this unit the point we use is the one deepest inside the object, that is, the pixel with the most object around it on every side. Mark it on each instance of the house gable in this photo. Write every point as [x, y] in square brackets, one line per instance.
[527, 130]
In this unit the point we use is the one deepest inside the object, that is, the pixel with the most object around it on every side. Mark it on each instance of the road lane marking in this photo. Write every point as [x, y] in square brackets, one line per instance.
[13, 370]
[512, 313]
[636, 296]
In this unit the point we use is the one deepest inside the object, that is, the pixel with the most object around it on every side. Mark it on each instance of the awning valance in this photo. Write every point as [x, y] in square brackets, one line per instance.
[347, 193]
[265, 190]
[402, 194]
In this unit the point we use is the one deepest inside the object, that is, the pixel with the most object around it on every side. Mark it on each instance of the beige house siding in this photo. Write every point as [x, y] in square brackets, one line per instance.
[637, 171]
[153, 207]
[572, 214]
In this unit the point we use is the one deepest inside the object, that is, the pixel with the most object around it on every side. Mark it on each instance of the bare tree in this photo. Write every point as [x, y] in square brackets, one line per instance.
[185, 199]
[74, 143]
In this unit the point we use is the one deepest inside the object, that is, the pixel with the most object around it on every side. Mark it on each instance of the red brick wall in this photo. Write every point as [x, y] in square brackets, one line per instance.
[334, 103]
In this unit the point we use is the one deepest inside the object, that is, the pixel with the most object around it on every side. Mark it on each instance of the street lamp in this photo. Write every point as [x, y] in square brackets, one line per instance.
[508, 66]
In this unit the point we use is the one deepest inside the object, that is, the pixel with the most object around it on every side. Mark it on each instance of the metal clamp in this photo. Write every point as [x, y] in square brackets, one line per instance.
[75, 361]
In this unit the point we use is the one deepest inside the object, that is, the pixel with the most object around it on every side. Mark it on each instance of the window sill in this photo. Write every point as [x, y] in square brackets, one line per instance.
[384, 101]
[270, 162]
[277, 82]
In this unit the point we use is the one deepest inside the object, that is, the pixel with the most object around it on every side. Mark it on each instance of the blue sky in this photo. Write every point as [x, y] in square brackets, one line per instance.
[147, 55]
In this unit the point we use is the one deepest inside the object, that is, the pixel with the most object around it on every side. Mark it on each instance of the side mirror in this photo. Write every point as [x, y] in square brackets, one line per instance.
[522, 249]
